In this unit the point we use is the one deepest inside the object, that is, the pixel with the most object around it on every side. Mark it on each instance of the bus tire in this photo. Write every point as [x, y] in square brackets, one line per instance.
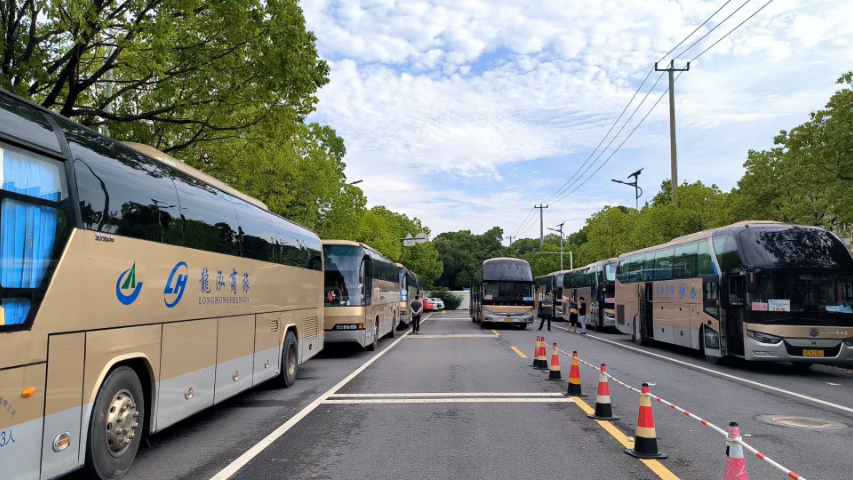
[636, 335]
[289, 360]
[375, 345]
[394, 326]
[115, 430]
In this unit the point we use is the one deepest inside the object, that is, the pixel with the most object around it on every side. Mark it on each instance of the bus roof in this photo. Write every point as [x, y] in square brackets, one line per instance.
[701, 235]
[173, 162]
[507, 269]
[345, 242]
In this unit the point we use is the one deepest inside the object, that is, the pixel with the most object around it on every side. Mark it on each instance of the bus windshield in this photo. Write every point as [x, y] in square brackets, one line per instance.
[785, 291]
[794, 247]
[517, 293]
[343, 281]
[610, 272]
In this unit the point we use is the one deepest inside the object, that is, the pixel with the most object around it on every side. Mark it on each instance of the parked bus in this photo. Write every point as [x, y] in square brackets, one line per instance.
[550, 284]
[362, 294]
[410, 286]
[596, 284]
[135, 291]
[761, 291]
[505, 294]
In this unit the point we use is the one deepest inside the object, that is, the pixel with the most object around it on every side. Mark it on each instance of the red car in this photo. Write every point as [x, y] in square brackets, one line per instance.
[428, 306]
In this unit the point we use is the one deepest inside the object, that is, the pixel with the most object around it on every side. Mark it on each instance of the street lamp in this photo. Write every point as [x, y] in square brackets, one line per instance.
[638, 192]
[353, 183]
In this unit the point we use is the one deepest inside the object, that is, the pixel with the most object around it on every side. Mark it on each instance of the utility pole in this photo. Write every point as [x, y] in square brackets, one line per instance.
[541, 224]
[673, 154]
[510, 241]
[560, 229]
[571, 260]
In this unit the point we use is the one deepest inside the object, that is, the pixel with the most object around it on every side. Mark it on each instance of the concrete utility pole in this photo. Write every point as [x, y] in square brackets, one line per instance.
[541, 224]
[510, 241]
[673, 154]
[571, 260]
[560, 229]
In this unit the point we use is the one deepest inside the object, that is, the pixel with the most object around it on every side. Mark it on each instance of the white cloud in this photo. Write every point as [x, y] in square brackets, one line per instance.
[451, 109]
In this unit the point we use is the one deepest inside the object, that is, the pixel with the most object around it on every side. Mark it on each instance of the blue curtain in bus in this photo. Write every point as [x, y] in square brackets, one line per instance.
[27, 232]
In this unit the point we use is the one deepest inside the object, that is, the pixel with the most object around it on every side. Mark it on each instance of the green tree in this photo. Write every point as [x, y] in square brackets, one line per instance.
[169, 73]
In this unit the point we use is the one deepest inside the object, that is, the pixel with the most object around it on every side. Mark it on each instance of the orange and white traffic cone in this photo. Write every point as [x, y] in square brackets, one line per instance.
[554, 372]
[735, 463]
[543, 355]
[603, 411]
[645, 441]
[536, 352]
[574, 389]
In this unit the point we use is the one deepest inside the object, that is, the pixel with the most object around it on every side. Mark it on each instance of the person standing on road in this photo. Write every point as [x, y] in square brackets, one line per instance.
[573, 316]
[417, 308]
[545, 311]
[582, 315]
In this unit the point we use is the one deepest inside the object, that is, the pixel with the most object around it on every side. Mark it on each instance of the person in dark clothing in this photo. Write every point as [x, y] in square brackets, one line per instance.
[417, 309]
[546, 309]
[573, 316]
[582, 315]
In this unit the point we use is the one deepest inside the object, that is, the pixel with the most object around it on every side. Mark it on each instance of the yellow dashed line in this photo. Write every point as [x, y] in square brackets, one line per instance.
[496, 333]
[653, 465]
[518, 352]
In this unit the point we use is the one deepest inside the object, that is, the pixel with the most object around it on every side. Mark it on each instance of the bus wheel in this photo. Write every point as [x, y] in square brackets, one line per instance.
[289, 360]
[802, 365]
[115, 430]
[636, 335]
[375, 345]
[393, 333]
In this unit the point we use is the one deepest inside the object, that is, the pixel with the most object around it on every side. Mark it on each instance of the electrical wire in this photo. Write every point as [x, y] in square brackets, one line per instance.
[694, 31]
[730, 31]
[712, 30]
[523, 222]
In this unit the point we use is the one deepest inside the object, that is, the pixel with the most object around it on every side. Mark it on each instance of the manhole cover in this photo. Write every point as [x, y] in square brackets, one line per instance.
[801, 422]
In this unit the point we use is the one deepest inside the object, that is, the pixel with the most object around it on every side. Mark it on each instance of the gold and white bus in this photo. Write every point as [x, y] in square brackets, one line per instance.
[410, 286]
[596, 283]
[362, 294]
[505, 294]
[761, 291]
[134, 292]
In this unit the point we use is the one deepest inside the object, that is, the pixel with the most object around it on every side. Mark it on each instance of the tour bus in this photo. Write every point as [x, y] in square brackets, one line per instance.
[505, 293]
[135, 291]
[362, 294]
[596, 284]
[410, 286]
[550, 284]
[761, 291]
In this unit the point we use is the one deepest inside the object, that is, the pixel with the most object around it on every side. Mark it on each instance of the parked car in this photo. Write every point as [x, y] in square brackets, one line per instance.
[437, 303]
[428, 305]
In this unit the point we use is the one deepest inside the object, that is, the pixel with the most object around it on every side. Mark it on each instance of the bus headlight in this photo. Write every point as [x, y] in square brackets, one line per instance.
[763, 337]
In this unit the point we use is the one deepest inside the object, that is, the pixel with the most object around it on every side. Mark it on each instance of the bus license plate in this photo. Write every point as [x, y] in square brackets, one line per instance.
[508, 319]
[812, 353]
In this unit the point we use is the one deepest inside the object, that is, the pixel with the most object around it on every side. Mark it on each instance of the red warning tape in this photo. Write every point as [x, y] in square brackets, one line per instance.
[719, 430]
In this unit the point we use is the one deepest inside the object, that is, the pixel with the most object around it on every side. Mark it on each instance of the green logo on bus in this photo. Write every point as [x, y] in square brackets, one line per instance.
[127, 281]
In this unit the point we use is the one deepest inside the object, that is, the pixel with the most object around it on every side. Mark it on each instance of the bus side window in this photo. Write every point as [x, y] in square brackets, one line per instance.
[704, 263]
[210, 222]
[257, 234]
[727, 253]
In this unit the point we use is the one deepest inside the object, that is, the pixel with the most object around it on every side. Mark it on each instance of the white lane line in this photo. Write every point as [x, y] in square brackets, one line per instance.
[459, 335]
[722, 374]
[253, 452]
[451, 319]
[448, 400]
[445, 394]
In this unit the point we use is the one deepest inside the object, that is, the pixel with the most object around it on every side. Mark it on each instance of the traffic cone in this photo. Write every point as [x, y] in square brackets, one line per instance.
[574, 389]
[536, 352]
[602, 399]
[543, 356]
[645, 441]
[554, 373]
[735, 463]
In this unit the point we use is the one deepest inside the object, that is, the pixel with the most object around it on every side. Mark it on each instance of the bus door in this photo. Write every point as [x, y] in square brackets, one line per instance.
[734, 315]
[647, 329]
[711, 307]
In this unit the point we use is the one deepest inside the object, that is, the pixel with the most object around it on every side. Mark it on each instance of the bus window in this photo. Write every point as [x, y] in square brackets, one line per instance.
[704, 263]
[287, 237]
[727, 254]
[28, 231]
[684, 262]
[210, 223]
[257, 234]
[649, 267]
[122, 191]
[637, 268]
[27, 123]
[663, 264]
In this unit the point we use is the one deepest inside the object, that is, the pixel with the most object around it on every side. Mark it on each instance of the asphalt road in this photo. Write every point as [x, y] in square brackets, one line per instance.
[458, 402]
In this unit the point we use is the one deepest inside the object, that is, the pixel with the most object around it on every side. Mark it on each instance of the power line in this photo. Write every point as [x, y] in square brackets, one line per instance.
[525, 220]
[694, 31]
[711, 30]
[730, 31]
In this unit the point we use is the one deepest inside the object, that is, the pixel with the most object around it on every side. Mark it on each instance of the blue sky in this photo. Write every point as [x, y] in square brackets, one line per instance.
[466, 113]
